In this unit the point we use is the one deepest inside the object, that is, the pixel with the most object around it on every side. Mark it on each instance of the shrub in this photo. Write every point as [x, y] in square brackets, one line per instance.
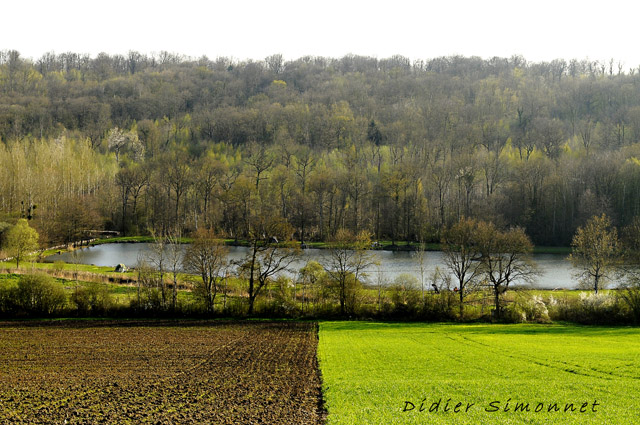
[151, 300]
[561, 308]
[630, 296]
[285, 297]
[93, 298]
[272, 308]
[405, 295]
[58, 266]
[598, 308]
[588, 308]
[38, 294]
[529, 308]
[439, 306]
[235, 307]
[6, 303]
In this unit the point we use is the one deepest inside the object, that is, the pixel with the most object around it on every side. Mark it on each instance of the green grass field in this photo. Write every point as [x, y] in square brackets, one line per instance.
[374, 373]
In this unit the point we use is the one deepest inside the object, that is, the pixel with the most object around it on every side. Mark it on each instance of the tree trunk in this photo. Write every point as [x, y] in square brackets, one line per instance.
[252, 295]
[343, 296]
[174, 301]
[498, 313]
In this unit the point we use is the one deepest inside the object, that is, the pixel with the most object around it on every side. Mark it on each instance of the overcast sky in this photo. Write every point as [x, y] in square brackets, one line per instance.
[243, 29]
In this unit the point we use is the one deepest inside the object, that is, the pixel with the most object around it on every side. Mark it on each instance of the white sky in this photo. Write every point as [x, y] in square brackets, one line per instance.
[252, 29]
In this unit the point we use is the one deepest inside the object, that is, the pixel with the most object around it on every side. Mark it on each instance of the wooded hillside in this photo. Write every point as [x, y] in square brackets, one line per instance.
[142, 143]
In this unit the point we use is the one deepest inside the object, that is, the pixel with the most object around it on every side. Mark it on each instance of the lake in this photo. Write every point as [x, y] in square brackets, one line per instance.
[556, 269]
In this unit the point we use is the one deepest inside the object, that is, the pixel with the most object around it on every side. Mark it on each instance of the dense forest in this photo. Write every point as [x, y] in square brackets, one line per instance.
[158, 143]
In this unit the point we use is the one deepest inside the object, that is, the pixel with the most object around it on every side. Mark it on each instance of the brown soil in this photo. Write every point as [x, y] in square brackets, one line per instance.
[159, 372]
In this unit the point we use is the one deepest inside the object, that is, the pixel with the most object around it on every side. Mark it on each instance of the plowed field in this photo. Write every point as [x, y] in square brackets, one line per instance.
[160, 373]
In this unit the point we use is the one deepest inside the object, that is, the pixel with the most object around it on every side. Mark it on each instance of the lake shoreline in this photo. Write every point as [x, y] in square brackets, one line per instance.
[382, 245]
[557, 271]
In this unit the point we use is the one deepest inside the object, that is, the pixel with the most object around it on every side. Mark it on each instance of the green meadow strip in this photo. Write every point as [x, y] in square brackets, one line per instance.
[385, 373]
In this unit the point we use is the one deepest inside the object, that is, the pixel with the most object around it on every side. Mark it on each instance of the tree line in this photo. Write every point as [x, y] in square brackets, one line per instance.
[163, 143]
[482, 263]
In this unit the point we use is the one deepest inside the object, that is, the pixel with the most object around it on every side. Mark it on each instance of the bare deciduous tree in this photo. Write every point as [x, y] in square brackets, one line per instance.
[462, 256]
[595, 251]
[207, 256]
[345, 265]
[505, 259]
[271, 252]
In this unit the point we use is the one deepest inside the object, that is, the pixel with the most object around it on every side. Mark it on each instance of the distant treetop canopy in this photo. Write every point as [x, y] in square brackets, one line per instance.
[399, 148]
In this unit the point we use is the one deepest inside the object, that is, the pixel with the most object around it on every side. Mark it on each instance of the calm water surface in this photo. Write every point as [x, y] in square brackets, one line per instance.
[556, 270]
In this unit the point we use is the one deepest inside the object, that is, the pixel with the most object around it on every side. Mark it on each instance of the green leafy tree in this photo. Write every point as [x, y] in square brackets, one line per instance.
[20, 240]
[596, 251]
